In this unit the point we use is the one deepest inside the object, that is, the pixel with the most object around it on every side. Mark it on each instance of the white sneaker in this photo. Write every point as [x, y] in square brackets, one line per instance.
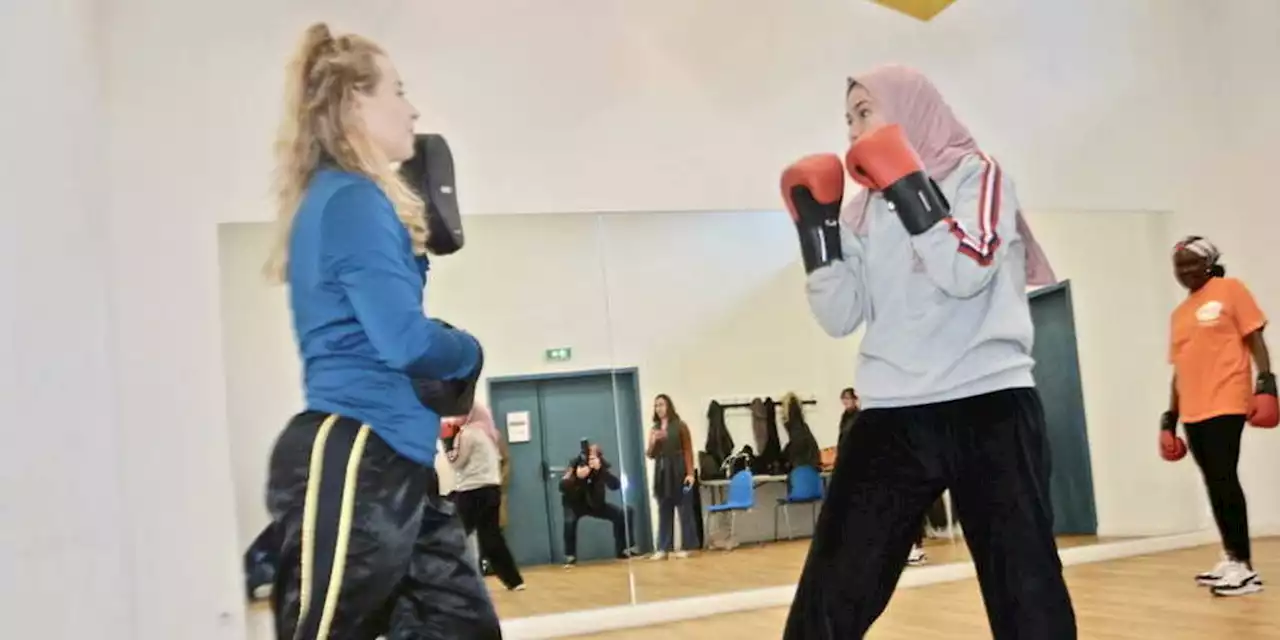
[1237, 580]
[917, 556]
[680, 555]
[1211, 577]
[658, 555]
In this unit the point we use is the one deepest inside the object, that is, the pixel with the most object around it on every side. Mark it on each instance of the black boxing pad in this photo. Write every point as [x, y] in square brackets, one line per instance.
[430, 173]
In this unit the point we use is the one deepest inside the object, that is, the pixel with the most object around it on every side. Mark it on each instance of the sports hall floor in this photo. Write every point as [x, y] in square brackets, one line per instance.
[1150, 596]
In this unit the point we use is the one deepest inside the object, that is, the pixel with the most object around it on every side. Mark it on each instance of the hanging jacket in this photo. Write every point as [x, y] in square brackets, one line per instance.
[719, 442]
[764, 422]
[802, 448]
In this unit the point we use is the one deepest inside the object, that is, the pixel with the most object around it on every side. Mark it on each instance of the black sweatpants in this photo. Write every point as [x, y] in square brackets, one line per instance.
[612, 513]
[368, 546]
[991, 452]
[479, 509]
[1215, 445]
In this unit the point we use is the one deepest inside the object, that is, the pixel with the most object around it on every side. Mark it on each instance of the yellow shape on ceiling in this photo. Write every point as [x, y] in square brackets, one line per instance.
[920, 9]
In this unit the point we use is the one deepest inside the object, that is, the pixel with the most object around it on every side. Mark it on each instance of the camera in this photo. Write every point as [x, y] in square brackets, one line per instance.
[584, 453]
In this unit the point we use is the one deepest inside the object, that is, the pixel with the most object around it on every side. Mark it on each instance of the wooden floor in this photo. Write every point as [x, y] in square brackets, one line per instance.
[706, 573]
[1147, 597]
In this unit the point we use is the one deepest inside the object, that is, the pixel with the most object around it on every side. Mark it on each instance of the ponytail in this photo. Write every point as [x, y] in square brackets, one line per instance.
[318, 125]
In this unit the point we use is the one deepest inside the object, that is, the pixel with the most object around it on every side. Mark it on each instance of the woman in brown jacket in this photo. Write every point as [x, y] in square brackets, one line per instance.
[671, 448]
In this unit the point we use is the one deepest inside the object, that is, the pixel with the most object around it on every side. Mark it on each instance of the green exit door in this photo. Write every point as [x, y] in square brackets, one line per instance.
[544, 418]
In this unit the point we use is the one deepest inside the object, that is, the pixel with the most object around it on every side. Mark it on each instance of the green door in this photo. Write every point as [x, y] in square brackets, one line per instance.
[1057, 376]
[565, 409]
[527, 531]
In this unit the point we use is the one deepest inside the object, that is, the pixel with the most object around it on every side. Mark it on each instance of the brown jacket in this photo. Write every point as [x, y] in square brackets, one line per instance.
[686, 446]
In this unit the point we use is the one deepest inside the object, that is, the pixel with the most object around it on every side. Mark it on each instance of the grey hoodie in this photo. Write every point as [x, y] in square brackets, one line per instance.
[946, 312]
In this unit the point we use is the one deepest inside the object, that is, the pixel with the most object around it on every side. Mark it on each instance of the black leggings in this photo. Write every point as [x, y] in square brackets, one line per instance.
[992, 453]
[612, 513]
[479, 510]
[368, 548]
[1215, 445]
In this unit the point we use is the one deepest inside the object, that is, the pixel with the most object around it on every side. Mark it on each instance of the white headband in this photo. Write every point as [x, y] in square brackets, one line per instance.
[1200, 247]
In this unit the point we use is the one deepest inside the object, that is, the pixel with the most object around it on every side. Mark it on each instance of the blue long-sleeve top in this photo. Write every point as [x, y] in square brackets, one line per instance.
[357, 290]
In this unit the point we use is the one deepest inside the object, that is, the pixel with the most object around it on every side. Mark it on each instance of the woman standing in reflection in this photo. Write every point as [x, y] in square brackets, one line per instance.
[849, 399]
[671, 449]
[476, 453]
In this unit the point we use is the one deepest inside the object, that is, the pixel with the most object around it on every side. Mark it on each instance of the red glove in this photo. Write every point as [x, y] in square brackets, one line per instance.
[1172, 447]
[1264, 410]
[885, 161]
[813, 188]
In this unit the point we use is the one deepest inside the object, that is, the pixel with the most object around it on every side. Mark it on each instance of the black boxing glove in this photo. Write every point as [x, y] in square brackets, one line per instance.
[430, 173]
[813, 189]
[451, 397]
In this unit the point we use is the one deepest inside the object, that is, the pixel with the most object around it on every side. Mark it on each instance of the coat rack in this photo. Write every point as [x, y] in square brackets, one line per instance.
[744, 402]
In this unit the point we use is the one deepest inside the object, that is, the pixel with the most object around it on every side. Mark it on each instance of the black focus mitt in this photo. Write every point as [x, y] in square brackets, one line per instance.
[430, 173]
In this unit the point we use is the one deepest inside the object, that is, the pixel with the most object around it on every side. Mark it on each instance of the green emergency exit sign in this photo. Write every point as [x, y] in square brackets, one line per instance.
[559, 354]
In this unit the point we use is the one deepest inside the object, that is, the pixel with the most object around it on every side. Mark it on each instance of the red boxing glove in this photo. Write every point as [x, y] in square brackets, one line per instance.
[813, 188]
[883, 160]
[1172, 447]
[1264, 410]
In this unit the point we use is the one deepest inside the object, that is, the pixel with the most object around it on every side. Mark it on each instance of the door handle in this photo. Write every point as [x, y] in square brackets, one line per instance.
[555, 472]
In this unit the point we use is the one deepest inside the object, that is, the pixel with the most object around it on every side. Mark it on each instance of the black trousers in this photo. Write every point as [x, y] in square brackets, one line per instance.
[1215, 445]
[479, 509]
[368, 546]
[991, 452]
[612, 513]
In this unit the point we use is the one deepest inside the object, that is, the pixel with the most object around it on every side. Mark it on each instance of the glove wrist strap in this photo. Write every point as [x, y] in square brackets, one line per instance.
[1266, 383]
[820, 244]
[917, 201]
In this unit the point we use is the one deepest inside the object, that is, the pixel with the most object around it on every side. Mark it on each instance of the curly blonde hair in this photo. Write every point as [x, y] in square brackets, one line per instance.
[320, 125]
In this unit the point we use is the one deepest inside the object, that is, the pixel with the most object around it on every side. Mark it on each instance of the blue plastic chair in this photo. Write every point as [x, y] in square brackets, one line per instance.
[742, 497]
[804, 486]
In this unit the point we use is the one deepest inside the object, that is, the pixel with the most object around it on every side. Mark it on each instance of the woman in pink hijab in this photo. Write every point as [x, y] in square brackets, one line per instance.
[933, 261]
[476, 451]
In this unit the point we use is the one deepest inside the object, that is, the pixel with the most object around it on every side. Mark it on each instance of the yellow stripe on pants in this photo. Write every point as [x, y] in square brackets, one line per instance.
[314, 475]
[344, 531]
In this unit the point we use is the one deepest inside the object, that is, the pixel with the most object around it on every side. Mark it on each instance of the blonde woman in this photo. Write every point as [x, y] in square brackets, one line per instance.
[368, 547]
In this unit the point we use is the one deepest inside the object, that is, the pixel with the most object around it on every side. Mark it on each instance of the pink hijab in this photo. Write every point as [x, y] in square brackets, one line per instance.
[481, 418]
[908, 99]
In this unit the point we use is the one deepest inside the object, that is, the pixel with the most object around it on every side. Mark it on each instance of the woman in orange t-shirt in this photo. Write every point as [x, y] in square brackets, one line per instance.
[1214, 334]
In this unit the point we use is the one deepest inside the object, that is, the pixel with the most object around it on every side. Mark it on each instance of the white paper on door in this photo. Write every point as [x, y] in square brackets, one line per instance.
[518, 426]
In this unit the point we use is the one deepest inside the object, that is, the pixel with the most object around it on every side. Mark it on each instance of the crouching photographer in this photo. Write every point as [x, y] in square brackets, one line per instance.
[582, 489]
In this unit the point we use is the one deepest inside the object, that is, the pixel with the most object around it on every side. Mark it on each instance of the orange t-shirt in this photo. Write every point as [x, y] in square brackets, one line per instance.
[1207, 348]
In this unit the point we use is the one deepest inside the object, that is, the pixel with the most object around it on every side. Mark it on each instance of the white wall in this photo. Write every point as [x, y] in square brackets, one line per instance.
[668, 105]
[723, 314]
[662, 105]
[1227, 84]
[64, 558]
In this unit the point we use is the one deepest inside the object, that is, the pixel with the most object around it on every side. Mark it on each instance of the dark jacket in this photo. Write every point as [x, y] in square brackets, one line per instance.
[719, 441]
[764, 419]
[802, 448]
[588, 494]
[847, 421]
